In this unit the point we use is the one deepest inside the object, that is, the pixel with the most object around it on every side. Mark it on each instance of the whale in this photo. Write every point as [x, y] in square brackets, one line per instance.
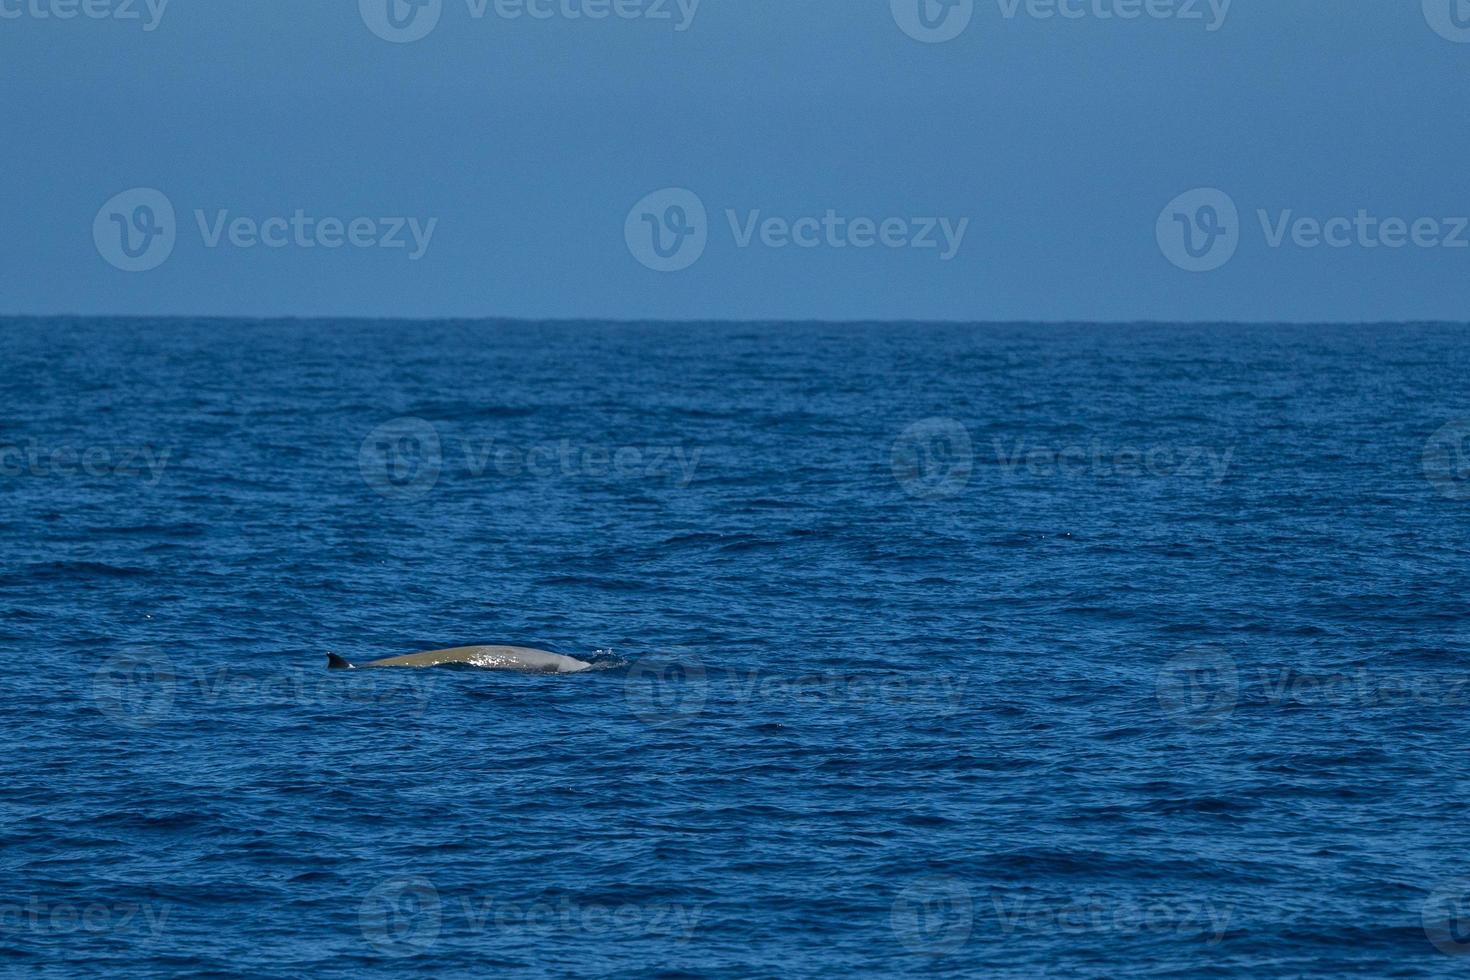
[497, 657]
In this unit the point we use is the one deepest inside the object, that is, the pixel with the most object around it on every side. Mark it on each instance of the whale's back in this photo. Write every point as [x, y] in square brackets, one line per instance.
[495, 657]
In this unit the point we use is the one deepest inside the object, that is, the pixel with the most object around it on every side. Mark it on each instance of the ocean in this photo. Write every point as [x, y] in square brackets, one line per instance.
[955, 650]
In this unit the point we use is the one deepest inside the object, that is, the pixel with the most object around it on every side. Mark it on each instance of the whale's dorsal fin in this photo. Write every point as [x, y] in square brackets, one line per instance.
[335, 662]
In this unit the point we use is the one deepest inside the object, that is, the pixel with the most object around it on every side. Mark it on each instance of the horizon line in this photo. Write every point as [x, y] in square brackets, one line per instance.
[722, 321]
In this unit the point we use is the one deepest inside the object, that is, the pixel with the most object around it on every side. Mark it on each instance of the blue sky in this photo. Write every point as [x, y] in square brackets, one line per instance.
[1033, 166]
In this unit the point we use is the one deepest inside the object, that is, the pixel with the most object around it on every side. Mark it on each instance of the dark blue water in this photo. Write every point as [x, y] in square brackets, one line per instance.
[1004, 651]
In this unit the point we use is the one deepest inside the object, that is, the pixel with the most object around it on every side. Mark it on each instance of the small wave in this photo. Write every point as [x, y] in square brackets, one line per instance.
[74, 569]
[607, 660]
[618, 585]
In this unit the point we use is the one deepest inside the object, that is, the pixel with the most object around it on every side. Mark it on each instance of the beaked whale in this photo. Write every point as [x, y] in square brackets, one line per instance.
[502, 658]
